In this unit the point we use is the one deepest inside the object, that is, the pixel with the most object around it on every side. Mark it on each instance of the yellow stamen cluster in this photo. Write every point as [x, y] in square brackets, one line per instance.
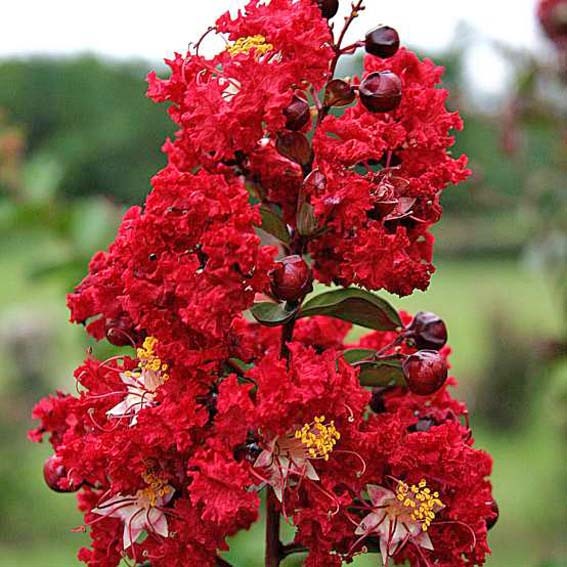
[246, 44]
[319, 438]
[422, 503]
[148, 359]
[157, 488]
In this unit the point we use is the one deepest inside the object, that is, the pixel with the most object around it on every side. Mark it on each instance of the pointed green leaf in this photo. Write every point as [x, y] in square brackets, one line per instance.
[356, 354]
[273, 224]
[271, 314]
[383, 372]
[355, 305]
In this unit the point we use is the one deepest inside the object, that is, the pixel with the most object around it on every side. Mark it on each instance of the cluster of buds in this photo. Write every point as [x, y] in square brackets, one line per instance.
[426, 370]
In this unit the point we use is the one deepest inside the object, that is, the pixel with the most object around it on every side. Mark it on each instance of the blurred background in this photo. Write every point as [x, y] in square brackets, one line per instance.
[79, 142]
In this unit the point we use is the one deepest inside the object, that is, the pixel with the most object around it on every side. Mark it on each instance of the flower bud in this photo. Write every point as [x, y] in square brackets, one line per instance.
[382, 41]
[297, 114]
[381, 91]
[491, 522]
[328, 8]
[425, 372]
[119, 332]
[428, 331]
[291, 279]
[55, 475]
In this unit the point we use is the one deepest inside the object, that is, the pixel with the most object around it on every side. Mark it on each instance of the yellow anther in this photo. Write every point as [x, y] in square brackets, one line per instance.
[148, 359]
[319, 438]
[246, 44]
[157, 488]
[421, 504]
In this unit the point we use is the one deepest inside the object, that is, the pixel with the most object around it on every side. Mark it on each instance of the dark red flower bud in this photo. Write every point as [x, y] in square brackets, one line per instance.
[119, 332]
[297, 114]
[382, 41]
[491, 522]
[381, 91]
[291, 279]
[425, 372]
[55, 475]
[553, 19]
[329, 8]
[428, 331]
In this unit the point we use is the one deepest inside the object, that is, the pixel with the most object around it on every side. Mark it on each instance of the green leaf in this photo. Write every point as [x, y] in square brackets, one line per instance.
[356, 354]
[383, 372]
[273, 224]
[355, 305]
[272, 314]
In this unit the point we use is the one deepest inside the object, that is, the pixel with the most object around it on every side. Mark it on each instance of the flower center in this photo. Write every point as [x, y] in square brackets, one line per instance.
[149, 360]
[246, 44]
[318, 438]
[157, 488]
[419, 502]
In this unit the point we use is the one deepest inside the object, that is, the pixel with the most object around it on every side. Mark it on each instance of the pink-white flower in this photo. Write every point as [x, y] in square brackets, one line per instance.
[141, 394]
[288, 458]
[140, 512]
[141, 384]
[399, 517]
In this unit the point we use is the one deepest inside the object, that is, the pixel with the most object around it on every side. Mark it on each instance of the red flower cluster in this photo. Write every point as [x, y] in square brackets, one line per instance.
[143, 438]
[360, 446]
[383, 174]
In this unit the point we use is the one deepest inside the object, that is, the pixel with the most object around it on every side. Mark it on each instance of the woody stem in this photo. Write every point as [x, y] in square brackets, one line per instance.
[273, 543]
[274, 548]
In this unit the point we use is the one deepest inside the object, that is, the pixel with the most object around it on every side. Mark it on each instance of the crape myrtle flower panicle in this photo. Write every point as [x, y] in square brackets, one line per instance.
[229, 379]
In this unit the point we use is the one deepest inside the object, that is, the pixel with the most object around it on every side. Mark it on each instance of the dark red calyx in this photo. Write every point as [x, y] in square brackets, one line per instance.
[296, 147]
[382, 41]
[291, 279]
[329, 8]
[55, 475]
[381, 91]
[297, 114]
[428, 331]
[425, 372]
[338, 93]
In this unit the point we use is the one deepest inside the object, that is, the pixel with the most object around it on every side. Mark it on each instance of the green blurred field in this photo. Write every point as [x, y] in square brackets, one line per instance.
[529, 473]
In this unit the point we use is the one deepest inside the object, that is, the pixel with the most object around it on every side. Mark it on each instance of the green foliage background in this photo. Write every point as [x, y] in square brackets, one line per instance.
[91, 145]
